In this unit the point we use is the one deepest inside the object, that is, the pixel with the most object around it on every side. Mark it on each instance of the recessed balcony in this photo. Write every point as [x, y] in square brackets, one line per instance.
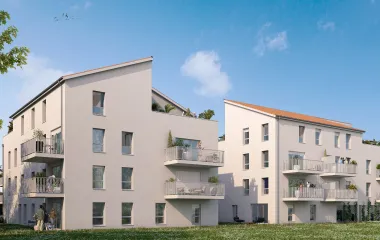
[341, 195]
[42, 187]
[301, 194]
[42, 150]
[193, 157]
[196, 190]
[338, 170]
[302, 166]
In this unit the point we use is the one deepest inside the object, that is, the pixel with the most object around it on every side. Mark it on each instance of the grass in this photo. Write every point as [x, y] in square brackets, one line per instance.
[370, 230]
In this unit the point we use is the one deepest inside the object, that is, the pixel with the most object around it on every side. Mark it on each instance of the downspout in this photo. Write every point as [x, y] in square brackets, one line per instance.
[278, 172]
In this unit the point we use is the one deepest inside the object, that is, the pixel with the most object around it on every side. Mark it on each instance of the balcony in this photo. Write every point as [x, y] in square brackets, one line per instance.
[377, 174]
[338, 170]
[341, 195]
[199, 190]
[302, 166]
[297, 194]
[42, 150]
[42, 187]
[193, 157]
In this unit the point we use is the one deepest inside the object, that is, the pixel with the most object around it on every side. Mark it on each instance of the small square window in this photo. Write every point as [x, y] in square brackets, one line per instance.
[246, 136]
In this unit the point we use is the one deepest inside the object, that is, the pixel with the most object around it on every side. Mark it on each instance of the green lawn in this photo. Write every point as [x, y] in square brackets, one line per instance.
[352, 231]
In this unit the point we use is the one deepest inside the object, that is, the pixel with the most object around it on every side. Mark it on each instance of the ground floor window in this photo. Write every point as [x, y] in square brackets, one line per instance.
[98, 213]
[234, 211]
[290, 214]
[160, 213]
[196, 214]
[259, 212]
[313, 212]
[126, 213]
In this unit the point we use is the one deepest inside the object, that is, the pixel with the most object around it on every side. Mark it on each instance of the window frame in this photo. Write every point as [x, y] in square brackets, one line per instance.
[318, 140]
[125, 181]
[265, 161]
[235, 209]
[123, 136]
[368, 189]
[194, 214]
[103, 178]
[246, 187]
[301, 138]
[163, 216]
[313, 212]
[291, 214]
[265, 136]
[98, 217]
[245, 164]
[265, 189]
[103, 140]
[348, 141]
[337, 139]
[130, 217]
[102, 102]
[245, 139]
[368, 167]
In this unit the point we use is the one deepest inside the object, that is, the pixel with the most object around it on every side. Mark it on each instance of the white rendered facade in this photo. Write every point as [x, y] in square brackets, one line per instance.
[310, 187]
[108, 151]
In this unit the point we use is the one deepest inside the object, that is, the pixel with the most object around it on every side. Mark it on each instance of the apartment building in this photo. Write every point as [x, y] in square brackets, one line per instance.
[283, 167]
[90, 147]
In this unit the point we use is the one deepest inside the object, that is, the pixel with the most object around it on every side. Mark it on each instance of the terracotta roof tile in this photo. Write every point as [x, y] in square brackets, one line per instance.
[296, 116]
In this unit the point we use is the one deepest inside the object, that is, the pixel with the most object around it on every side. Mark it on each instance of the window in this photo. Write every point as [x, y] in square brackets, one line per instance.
[313, 212]
[126, 178]
[15, 157]
[196, 214]
[265, 156]
[26, 214]
[318, 140]
[265, 132]
[98, 213]
[9, 186]
[9, 160]
[265, 186]
[246, 186]
[301, 134]
[32, 118]
[98, 103]
[368, 189]
[16, 184]
[290, 214]
[43, 111]
[22, 125]
[246, 161]
[126, 139]
[368, 166]
[126, 213]
[98, 140]
[246, 136]
[234, 211]
[337, 140]
[98, 177]
[160, 213]
[259, 212]
[348, 141]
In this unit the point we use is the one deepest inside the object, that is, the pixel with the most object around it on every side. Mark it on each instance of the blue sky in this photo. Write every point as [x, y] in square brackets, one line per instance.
[314, 57]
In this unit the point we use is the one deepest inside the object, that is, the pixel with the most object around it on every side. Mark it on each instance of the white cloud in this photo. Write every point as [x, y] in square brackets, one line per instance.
[205, 68]
[35, 77]
[326, 26]
[276, 42]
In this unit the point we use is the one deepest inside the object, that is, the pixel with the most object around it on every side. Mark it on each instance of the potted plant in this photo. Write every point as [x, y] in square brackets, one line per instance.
[353, 162]
[378, 166]
[213, 179]
[171, 180]
[352, 187]
[179, 143]
[39, 136]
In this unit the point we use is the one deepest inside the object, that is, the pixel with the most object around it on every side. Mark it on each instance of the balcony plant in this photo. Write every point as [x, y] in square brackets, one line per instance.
[213, 179]
[352, 187]
[353, 162]
[171, 180]
[39, 136]
[170, 140]
[378, 166]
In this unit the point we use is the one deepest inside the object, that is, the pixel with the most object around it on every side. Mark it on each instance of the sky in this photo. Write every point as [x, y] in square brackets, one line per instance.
[314, 57]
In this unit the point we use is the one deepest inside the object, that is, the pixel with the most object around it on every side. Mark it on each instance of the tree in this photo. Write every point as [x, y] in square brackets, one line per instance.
[188, 113]
[169, 107]
[1, 123]
[170, 140]
[16, 56]
[222, 138]
[156, 107]
[207, 114]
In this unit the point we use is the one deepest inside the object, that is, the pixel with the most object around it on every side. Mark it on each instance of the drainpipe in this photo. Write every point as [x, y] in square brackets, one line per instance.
[278, 173]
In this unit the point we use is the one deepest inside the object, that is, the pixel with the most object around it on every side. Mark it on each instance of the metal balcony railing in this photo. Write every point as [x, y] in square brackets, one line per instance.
[304, 192]
[340, 194]
[42, 145]
[339, 168]
[42, 185]
[194, 189]
[194, 154]
[303, 164]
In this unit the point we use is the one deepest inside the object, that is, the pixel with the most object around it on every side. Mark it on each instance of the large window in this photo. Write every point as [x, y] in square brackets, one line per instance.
[22, 125]
[265, 156]
[246, 186]
[337, 140]
[160, 213]
[98, 177]
[265, 186]
[313, 212]
[98, 103]
[348, 141]
[368, 189]
[246, 161]
[33, 118]
[126, 139]
[246, 136]
[126, 178]
[126, 213]
[259, 212]
[98, 140]
[265, 130]
[98, 213]
[196, 214]
[318, 140]
[301, 134]
[43, 111]
[368, 167]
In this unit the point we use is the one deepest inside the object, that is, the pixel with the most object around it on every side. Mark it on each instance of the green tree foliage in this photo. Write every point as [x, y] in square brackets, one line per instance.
[368, 210]
[362, 212]
[349, 212]
[356, 211]
[1, 123]
[344, 213]
[372, 142]
[188, 113]
[16, 56]
[207, 114]
[170, 140]
[169, 107]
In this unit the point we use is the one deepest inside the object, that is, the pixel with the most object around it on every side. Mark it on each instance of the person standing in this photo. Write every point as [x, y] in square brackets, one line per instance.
[40, 215]
[53, 216]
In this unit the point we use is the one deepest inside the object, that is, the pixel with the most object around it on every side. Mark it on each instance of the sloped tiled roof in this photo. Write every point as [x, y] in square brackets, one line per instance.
[296, 116]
